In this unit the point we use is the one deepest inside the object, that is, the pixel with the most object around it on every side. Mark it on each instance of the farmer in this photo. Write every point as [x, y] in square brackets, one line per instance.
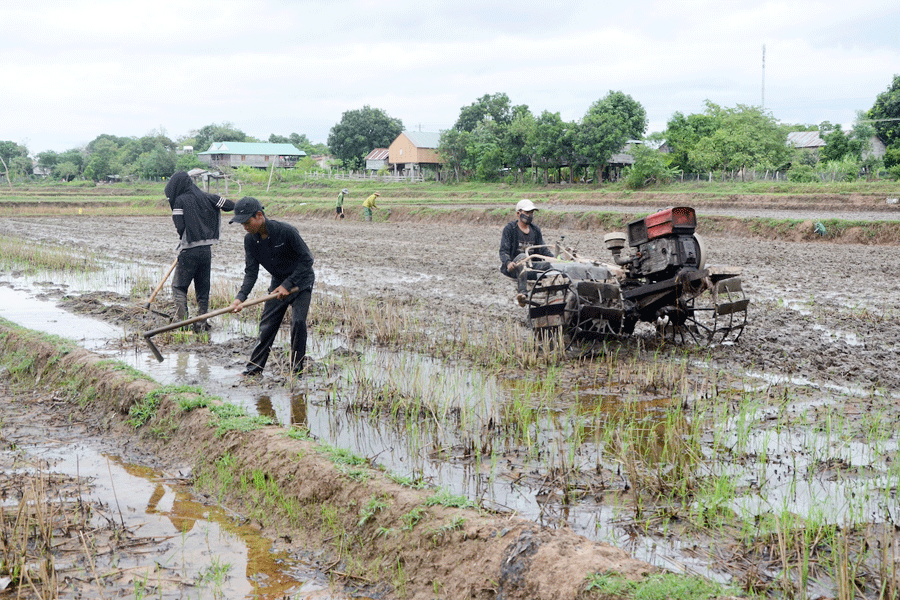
[369, 204]
[339, 207]
[279, 248]
[517, 236]
[196, 217]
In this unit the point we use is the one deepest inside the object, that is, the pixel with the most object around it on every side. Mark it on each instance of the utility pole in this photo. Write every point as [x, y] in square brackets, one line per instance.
[764, 78]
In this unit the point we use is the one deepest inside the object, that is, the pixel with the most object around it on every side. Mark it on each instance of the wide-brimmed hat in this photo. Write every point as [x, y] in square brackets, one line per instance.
[245, 208]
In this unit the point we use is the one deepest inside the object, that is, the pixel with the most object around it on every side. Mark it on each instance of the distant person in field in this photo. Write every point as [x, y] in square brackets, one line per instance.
[517, 236]
[281, 251]
[196, 216]
[368, 205]
[339, 207]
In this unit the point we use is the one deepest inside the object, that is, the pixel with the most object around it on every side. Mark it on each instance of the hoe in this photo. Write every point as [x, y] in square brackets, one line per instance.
[198, 318]
[156, 291]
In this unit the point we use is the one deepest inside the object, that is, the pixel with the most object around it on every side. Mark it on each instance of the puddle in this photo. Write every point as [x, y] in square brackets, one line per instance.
[188, 540]
[24, 309]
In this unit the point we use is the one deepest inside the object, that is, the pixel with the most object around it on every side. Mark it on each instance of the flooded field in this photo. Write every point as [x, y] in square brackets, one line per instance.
[769, 465]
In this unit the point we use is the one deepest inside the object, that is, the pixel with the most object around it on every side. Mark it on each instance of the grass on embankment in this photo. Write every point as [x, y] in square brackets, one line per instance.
[492, 204]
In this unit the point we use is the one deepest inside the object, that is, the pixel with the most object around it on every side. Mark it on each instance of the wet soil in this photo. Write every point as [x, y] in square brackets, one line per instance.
[822, 314]
[825, 312]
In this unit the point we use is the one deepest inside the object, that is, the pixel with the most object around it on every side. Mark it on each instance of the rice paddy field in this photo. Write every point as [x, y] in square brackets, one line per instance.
[767, 467]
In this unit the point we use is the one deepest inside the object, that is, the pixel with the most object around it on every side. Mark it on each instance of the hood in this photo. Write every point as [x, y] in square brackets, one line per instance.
[179, 183]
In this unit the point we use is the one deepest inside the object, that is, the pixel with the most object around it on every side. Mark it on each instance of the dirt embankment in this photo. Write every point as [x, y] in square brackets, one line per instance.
[410, 545]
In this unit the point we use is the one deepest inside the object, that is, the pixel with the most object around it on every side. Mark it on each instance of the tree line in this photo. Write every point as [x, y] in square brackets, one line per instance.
[492, 140]
[152, 156]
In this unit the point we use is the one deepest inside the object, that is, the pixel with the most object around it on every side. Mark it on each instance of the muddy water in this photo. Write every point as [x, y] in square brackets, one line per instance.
[199, 548]
[196, 546]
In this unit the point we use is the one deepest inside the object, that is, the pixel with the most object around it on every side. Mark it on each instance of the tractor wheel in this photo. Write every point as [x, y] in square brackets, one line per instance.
[714, 312]
[548, 306]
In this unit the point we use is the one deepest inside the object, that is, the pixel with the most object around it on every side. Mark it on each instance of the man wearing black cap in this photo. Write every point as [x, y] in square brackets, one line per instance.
[279, 248]
[196, 217]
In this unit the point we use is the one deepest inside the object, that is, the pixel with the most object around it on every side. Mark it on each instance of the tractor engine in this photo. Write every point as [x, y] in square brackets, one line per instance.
[662, 244]
[660, 277]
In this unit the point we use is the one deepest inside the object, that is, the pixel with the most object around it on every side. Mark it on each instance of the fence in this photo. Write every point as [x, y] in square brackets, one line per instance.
[752, 175]
[364, 176]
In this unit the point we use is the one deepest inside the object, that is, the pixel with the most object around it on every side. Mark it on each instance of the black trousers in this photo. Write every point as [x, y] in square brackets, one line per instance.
[194, 264]
[269, 324]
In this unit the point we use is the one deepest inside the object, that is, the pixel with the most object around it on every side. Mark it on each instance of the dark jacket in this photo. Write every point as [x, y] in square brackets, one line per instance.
[513, 243]
[194, 212]
[283, 254]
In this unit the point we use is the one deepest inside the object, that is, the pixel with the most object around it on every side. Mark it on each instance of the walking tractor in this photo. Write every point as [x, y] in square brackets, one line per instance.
[659, 276]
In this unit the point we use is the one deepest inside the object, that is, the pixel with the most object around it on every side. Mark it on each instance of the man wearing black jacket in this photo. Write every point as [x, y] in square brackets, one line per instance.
[279, 248]
[517, 237]
[196, 217]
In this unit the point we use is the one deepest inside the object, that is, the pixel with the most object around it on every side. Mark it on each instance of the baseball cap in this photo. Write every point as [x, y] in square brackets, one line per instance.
[245, 208]
[524, 204]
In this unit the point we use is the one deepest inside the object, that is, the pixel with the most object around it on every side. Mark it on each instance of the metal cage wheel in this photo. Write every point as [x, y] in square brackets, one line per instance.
[547, 302]
[713, 313]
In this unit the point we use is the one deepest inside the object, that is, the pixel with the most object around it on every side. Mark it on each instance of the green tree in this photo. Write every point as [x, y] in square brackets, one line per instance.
[649, 168]
[517, 151]
[130, 152]
[892, 157]
[682, 134]
[885, 114]
[746, 138]
[16, 158]
[102, 161]
[158, 162]
[359, 132]
[67, 171]
[105, 137]
[74, 157]
[544, 141]
[48, 159]
[452, 150]
[484, 153]
[301, 142]
[224, 132]
[188, 161]
[493, 107]
[608, 124]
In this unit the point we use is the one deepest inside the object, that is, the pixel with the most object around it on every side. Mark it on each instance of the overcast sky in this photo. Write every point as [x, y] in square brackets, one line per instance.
[72, 70]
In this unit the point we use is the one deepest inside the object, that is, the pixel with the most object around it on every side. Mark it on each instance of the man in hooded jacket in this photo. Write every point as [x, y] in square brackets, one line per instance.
[196, 217]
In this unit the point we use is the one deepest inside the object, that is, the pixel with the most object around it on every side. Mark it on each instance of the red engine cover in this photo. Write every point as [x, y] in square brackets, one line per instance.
[681, 219]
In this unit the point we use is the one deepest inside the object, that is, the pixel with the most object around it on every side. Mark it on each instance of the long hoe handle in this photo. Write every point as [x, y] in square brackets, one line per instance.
[203, 317]
[161, 283]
